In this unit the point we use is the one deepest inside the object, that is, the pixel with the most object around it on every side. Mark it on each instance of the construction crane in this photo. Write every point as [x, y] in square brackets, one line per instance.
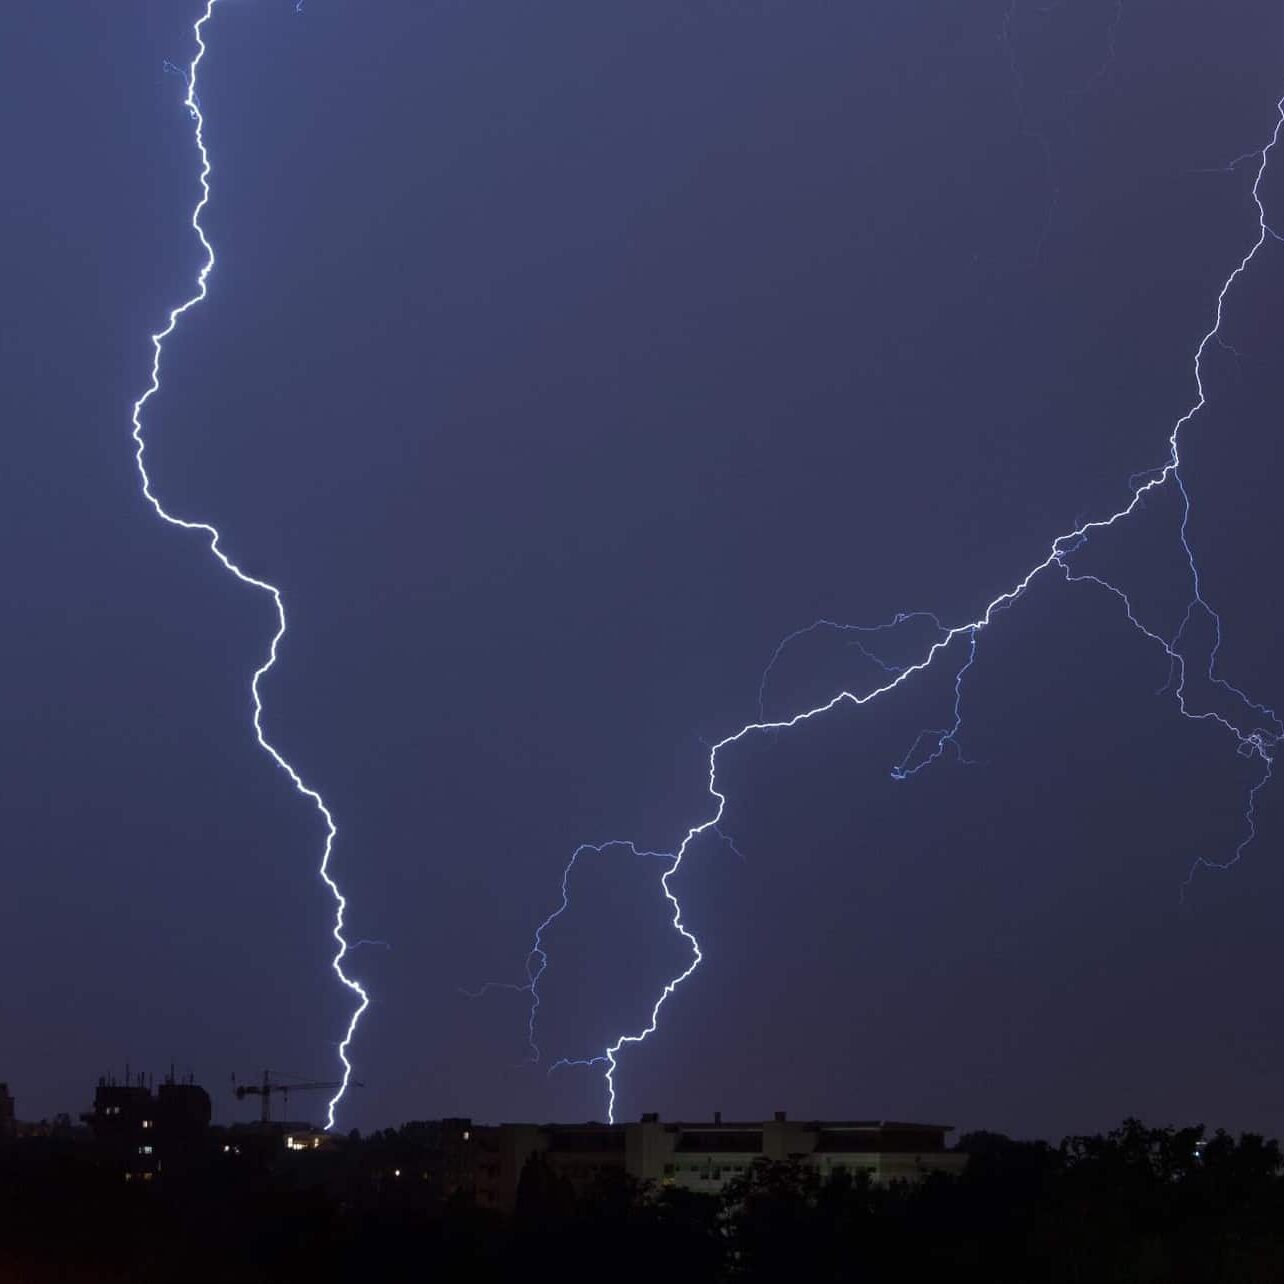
[277, 1084]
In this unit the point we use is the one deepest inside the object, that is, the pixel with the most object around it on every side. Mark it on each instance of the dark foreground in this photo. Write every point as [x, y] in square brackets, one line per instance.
[1135, 1205]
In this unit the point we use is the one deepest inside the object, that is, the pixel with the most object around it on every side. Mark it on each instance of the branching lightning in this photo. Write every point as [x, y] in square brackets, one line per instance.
[537, 957]
[1257, 730]
[192, 103]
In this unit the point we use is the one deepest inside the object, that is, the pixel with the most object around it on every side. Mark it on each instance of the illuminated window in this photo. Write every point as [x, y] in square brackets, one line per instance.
[147, 1123]
[466, 1134]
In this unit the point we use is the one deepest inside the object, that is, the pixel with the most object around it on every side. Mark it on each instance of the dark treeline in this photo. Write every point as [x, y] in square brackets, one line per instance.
[1135, 1205]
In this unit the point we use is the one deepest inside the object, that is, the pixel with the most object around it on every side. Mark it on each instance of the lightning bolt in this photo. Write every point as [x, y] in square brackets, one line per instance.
[537, 956]
[1256, 729]
[192, 103]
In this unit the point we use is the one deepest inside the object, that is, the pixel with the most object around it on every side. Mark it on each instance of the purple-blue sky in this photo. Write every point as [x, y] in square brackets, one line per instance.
[561, 359]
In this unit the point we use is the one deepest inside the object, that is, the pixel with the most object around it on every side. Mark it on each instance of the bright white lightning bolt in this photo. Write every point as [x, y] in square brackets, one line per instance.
[1254, 741]
[192, 103]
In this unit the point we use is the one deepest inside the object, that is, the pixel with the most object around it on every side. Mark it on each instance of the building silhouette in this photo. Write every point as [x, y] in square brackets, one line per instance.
[487, 1162]
[145, 1132]
[8, 1120]
[434, 1161]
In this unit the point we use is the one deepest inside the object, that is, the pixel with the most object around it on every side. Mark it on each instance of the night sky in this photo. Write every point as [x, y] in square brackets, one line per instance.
[560, 359]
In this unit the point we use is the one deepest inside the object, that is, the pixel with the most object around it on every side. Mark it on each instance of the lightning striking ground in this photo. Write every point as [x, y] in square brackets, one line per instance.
[192, 103]
[1256, 728]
